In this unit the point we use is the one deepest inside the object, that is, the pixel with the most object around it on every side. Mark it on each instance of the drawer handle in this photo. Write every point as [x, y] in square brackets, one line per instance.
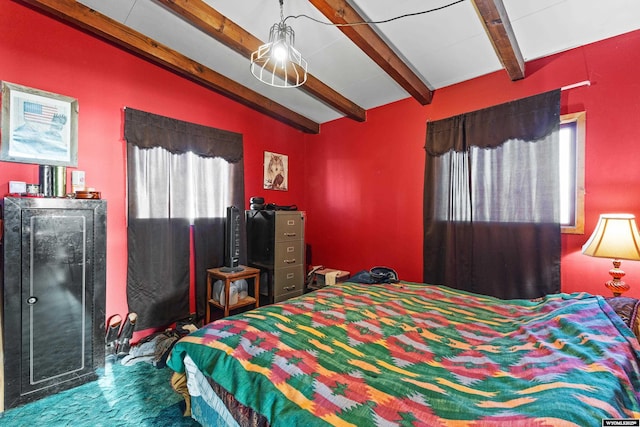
[289, 261]
[290, 234]
[32, 300]
[289, 288]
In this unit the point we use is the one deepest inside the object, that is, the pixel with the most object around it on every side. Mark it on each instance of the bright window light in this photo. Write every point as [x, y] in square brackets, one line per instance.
[572, 140]
[567, 172]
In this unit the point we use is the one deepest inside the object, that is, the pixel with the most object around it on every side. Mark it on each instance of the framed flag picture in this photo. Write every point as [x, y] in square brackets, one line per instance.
[38, 127]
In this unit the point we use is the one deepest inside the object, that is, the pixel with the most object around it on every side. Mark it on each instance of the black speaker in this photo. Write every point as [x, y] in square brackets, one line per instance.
[232, 240]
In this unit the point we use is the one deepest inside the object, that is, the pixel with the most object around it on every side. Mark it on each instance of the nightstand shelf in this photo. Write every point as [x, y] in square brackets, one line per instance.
[228, 277]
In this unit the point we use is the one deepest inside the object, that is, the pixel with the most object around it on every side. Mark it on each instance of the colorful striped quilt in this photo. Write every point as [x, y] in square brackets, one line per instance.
[419, 355]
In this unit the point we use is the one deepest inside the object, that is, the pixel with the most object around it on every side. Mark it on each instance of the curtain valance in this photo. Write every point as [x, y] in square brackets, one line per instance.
[148, 130]
[528, 119]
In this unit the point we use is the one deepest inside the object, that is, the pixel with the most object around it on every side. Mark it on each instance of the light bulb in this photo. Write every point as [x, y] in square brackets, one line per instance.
[280, 52]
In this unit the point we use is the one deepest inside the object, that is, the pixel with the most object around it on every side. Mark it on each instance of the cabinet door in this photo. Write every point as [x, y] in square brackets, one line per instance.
[260, 231]
[56, 296]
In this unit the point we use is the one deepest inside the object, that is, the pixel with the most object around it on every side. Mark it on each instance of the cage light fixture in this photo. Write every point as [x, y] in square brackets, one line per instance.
[278, 63]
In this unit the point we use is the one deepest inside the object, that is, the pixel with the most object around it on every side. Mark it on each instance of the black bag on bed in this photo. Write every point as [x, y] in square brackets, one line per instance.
[375, 275]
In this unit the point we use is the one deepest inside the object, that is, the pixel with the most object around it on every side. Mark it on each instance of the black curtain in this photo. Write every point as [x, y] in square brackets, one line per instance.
[180, 178]
[491, 200]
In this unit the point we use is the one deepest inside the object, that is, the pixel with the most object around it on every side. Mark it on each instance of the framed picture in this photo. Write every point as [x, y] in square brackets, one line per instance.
[38, 127]
[276, 171]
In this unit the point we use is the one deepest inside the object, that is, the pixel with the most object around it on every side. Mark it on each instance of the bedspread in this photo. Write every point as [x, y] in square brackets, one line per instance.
[412, 354]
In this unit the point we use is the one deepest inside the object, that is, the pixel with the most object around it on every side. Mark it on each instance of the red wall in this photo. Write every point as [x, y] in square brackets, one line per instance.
[365, 180]
[40, 52]
[360, 183]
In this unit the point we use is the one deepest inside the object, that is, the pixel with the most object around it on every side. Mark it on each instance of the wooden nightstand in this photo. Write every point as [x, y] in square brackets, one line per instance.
[228, 277]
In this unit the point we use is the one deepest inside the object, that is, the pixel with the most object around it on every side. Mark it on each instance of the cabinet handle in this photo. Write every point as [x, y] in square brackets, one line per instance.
[32, 300]
[289, 261]
[289, 234]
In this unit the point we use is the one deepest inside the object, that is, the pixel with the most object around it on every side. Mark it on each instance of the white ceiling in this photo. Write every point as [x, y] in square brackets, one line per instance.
[443, 47]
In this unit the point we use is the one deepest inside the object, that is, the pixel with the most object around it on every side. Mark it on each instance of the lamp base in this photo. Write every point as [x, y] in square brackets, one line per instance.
[615, 285]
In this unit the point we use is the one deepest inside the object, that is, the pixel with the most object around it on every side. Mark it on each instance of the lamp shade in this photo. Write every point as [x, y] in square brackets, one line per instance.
[616, 236]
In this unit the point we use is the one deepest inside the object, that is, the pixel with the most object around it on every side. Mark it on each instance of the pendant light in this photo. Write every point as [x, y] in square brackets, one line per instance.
[278, 63]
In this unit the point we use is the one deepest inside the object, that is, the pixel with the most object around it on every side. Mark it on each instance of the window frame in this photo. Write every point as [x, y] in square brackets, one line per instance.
[579, 119]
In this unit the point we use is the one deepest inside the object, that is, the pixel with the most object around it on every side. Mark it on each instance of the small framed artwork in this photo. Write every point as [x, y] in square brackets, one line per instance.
[276, 171]
[38, 127]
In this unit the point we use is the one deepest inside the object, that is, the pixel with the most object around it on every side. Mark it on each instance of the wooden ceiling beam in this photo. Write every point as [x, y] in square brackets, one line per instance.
[498, 26]
[92, 21]
[340, 12]
[211, 22]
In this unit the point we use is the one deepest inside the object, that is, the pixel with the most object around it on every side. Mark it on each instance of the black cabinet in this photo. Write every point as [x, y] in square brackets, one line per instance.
[53, 278]
[275, 245]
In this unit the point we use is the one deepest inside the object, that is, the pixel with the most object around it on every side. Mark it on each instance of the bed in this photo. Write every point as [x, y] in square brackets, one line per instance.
[410, 354]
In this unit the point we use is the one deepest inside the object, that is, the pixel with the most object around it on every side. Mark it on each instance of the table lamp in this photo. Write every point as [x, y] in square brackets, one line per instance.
[616, 236]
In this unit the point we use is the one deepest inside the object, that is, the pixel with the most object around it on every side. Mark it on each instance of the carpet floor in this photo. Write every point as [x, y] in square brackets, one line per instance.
[135, 395]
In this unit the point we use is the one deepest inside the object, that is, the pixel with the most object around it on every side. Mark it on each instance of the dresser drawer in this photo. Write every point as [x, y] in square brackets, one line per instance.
[289, 226]
[288, 280]
[288, 254]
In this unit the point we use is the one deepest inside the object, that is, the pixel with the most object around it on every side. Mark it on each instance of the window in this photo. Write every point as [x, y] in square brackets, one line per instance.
[181, 176]
[507, 192]
[572, 142]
